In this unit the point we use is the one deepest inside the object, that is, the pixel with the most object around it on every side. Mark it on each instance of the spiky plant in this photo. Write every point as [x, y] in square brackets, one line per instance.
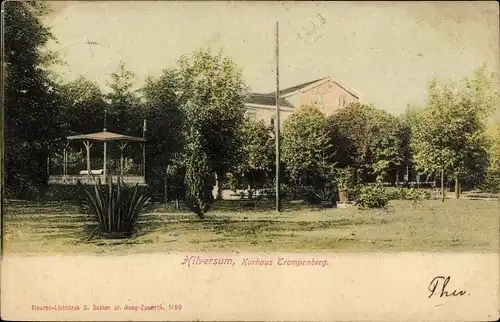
[116, 207]
[325, 194]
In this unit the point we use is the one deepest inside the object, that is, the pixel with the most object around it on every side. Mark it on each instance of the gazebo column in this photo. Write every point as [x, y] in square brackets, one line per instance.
[88, 145]
[122, 146]
[143, 160]
[65, 159]
[104, 161]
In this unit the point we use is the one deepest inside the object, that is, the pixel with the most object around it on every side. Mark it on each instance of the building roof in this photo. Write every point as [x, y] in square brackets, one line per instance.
[105, 136]
[297, 87]
[267, 99]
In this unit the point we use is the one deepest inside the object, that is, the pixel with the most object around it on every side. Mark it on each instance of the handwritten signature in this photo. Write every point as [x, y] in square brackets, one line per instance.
[438, 287]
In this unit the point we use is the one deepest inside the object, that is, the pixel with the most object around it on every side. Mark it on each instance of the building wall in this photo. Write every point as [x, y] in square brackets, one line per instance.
[328, 97]
[267, 114]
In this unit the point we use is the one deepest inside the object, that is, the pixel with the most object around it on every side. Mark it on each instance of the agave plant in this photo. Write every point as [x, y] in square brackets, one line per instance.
[116, 207]
[325, 194]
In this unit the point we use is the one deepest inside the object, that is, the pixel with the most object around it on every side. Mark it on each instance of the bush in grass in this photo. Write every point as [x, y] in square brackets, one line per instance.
[199, 197]
[416, 196]
[372, 196]
[315, 195]
[115, 207]
[396, 193]
[353, 193]
[491, 182]
[65, 192]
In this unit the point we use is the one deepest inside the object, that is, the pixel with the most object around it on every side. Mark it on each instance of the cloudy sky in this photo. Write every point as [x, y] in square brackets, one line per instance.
[387, 51]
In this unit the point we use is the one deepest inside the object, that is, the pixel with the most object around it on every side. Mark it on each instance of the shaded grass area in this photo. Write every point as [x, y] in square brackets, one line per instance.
[455, 225]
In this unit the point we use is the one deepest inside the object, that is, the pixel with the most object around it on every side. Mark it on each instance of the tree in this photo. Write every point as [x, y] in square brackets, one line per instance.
[404, 135]
[492, 176]
[33, 122]
[258, 152]
[368, 139]
[212, 96]
[448, 134]
[84, 106]
[164, 133]
[307, 151]
[125, 113]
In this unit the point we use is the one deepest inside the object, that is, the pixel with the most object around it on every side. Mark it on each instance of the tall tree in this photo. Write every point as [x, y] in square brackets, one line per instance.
[212, 99]
[492, 176]
[448, 135]
[125, 113]
[368, 139]
[164, 131]
[32, 103]
[84, 106]
[258, 152]
[307, 151]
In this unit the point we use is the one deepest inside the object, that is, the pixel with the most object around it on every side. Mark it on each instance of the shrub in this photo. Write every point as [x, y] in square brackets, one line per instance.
[372, 196]
[417, 195]
[397, 193]
[116, 207]
[344, 178]
[325, 194]
[199, 196]
[491, 182]
[413, 194]
[353, 193]
[65, 192]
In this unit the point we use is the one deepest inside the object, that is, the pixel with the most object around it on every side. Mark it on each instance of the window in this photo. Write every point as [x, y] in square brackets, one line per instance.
[251, 115]
[272, 120]
[341, 101]
[318, 98]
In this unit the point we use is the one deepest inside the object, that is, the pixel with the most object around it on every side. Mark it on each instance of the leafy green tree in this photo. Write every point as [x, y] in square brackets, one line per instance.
[492, 177]
[448, 135]
[125, 115]
[212, 96]
[33, 125]
[164, 132]
[197, 178]
[125, 111]
[258, 152]
[368, 139]
[306, 148]
[84, 106]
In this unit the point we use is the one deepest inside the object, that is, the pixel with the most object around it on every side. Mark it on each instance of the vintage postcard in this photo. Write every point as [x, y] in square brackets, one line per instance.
[251, 161]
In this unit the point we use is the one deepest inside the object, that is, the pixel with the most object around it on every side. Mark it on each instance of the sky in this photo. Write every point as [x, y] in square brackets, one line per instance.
[387, 51]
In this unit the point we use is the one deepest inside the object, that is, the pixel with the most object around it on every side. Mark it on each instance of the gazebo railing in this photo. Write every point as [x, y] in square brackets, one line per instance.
[93, 179]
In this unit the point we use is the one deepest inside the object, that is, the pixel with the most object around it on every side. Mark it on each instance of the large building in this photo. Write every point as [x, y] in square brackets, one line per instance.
[326, 93]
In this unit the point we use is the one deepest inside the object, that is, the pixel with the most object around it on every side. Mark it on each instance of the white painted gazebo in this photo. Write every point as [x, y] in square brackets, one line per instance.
[92, 176]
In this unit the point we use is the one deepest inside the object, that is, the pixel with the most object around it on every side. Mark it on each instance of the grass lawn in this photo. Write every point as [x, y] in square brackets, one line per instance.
[455, 225]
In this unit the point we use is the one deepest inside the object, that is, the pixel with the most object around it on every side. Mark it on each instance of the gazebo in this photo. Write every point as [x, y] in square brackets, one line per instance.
[91, 176]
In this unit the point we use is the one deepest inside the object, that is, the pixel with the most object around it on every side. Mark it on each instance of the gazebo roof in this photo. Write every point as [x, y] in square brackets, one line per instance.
[105, 136]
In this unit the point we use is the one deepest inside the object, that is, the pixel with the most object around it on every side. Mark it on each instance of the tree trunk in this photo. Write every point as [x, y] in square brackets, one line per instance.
[442, 185]
[218, 193]
[165, 197]
[457, 186]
